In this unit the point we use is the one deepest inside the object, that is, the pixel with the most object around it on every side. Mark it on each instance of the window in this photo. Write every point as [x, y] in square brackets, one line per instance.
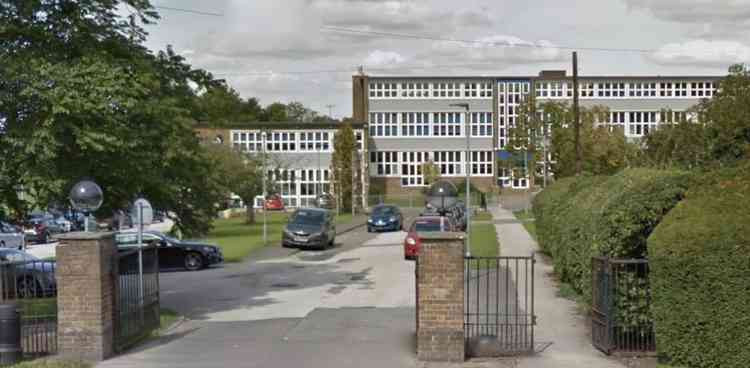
[252, 141]
[411, 168]
[447, 89]
[485, 90]
[415, 124]
[470, 90]
[481, 124]
[383, 124]
[510, 95]
[449, 162]
[446, 124]
[315, 141]
[641, 123]
[481, 163]
[384, 163]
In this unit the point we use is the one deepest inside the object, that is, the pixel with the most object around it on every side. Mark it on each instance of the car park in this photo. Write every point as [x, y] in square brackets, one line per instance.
[313, 228]
[421, 225]
[40, 229]
[11, 236]
[274, 202]
[385, 218]
[174, 253]
[25, 276]
[325, 201]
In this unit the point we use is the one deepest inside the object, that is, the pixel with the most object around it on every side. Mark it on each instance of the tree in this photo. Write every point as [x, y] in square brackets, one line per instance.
[296, 111]
[80, 96]
[238, 173]
[430, 172]
[605, 150]
[221, 105]
[342, 164]
[275, 112]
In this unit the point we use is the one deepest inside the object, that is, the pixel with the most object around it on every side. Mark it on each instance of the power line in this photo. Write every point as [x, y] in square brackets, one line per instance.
[201, 12]
[475, 42]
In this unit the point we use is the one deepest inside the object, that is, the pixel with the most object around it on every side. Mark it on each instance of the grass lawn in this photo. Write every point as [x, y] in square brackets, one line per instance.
[482, 216]
[484, 240]
[237, 239]
[38, 307]
[527, 221]
[167, 317]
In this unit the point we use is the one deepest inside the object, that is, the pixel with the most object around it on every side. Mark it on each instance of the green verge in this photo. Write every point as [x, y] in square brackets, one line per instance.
[238, 239]
[484, 241]
[482, 216]
[528, 222]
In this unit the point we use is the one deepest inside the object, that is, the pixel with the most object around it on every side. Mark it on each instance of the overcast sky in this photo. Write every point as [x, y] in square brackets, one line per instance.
[278, 50]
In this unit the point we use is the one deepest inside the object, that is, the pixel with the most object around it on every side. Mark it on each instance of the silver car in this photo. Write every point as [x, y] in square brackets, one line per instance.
[11, 236]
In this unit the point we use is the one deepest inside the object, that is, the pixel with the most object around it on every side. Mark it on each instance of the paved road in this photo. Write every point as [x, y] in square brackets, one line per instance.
[349, 306]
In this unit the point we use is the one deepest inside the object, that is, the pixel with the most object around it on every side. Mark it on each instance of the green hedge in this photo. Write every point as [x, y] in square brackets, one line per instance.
[603, 216]
[700, 274]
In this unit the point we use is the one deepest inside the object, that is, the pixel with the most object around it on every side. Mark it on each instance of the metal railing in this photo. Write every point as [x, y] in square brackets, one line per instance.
[499, 303]
[621, 320]
[138, 297]
[31, 284]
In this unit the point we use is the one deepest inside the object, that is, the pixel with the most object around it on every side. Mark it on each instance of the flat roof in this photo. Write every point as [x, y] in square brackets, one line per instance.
[568, 77]
[278, 125]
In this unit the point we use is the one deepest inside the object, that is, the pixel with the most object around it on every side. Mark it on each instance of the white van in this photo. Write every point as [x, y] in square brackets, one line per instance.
[11, 237]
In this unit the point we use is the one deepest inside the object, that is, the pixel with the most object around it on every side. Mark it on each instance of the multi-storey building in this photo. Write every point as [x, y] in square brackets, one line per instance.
[413, 120]
[298, 155]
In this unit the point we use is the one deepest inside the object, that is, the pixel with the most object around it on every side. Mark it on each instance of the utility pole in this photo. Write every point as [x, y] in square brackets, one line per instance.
[330, 111]
[576, 115]
[354, 180]
[467, 131]
[265, 223]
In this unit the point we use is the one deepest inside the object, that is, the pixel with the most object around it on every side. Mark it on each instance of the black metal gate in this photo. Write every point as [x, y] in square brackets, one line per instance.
[137, 303]
[499, 305]
[620, 309]
[31, 284]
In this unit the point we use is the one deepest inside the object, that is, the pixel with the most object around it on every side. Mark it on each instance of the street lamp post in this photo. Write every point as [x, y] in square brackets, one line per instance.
[467, 132]
[263, 201]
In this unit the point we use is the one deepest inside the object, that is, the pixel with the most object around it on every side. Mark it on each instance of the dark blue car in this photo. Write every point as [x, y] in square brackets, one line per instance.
[385, 217]
[24, 276]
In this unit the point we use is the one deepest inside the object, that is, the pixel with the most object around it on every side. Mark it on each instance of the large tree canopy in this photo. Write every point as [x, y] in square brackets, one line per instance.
[80, 96]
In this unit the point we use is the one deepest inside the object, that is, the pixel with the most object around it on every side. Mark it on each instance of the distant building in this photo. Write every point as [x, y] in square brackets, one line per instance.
[411, 121]
[299, 155]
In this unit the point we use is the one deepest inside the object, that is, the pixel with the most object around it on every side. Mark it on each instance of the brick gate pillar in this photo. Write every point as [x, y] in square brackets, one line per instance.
[440, 297]
[86, 295]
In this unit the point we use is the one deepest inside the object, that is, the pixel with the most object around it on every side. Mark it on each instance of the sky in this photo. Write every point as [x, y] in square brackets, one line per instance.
[285, 50]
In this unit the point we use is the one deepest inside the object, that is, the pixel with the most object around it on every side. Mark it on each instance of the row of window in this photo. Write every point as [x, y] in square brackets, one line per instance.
[622, 90]
[286, 141]
[409, 165]
[423, 124]
[430, 90]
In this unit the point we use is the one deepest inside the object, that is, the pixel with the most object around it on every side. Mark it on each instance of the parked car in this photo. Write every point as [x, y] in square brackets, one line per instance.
[385, 217]
[310, 228]
[421, 225]
[274, 202]
[11, 236]
[325, 201]
[41, 229]
[25, 276]
[191, 255]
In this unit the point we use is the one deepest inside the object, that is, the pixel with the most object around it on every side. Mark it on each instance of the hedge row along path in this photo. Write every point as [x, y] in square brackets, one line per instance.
[558, 321]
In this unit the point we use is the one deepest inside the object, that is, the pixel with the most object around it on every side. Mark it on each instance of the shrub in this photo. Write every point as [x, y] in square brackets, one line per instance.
[604, 216]
[700, 274]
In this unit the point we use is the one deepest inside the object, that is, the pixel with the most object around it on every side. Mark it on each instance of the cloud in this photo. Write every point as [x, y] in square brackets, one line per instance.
[383, 58]
[707, 18]
[400, 15]
[702, 53]
[503, 49]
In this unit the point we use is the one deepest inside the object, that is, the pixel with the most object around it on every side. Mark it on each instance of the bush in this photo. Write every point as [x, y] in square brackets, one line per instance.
[603, 216]
[700, 274]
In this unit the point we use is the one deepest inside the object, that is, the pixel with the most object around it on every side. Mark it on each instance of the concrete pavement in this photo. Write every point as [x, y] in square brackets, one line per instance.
[352, 306]
[558, 321]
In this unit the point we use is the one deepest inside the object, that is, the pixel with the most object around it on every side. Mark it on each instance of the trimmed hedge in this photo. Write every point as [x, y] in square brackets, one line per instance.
[700, 274]
[580, 218]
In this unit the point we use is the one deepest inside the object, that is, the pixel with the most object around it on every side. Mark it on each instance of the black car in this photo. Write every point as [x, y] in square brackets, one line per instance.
[385, 217]
[174, 253]
[310, 228]
[25, 276]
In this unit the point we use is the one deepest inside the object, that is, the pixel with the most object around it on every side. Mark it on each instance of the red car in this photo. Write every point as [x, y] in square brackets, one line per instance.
[274, 203]
[424, 224]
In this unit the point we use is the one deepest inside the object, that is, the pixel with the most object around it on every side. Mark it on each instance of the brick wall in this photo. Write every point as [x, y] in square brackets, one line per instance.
[86, 294]
[440, 298]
